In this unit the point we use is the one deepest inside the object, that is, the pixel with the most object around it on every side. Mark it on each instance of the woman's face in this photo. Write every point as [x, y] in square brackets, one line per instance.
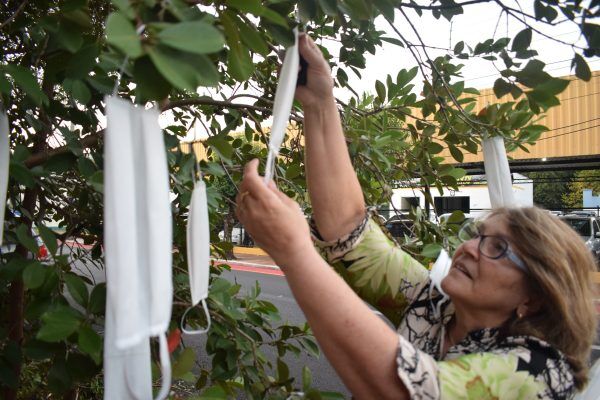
[489, 288]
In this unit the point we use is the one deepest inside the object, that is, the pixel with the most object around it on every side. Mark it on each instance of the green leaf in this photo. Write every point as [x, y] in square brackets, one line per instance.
[90, 343]
[125, 7]
[431, 250]
[77, 288]
[193, 36]
[26, 81]
[121, 33]
[293, 171]
[522, 40]
[239, 62]
[82, 62]
[307, 10]
[306, 378]
[21, 174]
[283, 372]
[457, 173]
[213, 393]
[434, 148]
[80, 91]
[582, 69]
[58, 324]
[459, 47]
[380, 89]
[86, 167]
[252, 38]
[184, 71]
[222, 146]
[151, 85]
[24, 237]
[34, 275]
[553, 86]
[69, 36]
[329, 7]
[184, 363]
[456, 153]
[60, 163]
[501, 87]
[97, 301]
[246, 6]
[49, 239]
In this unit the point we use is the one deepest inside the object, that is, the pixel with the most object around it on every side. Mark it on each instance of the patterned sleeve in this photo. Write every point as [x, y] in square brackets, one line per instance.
[378, 270]
[472, 376]
[488, 376]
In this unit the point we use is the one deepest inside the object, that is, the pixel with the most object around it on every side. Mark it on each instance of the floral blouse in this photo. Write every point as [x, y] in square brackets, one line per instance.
[485, 365]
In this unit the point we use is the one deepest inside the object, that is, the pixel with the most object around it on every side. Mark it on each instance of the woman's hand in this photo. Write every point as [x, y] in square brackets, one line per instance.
[275, 221]
[319, 84]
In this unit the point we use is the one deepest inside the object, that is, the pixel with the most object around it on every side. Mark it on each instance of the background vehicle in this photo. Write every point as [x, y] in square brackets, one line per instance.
[588, 227]
[400, 225]
[239, 236]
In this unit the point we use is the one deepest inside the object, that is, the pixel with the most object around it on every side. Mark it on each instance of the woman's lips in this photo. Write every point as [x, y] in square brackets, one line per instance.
[462, 269]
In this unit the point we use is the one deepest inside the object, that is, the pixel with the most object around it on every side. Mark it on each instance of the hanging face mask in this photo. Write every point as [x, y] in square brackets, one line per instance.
[440, 269]
[284, 97]
[198, 253]
[497, 172]
[4, 159]
[138, 249]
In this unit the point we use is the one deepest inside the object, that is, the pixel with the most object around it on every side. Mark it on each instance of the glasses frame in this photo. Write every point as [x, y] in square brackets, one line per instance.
[508, 252]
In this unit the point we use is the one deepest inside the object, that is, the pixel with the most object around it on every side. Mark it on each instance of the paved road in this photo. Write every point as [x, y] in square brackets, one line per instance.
[275, 289]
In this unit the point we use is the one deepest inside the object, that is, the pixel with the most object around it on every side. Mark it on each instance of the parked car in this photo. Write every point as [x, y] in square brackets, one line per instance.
[399, 225]
[588, 227]
[239, 236]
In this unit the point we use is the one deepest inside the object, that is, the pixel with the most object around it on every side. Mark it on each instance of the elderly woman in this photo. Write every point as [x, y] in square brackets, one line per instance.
[518, 322]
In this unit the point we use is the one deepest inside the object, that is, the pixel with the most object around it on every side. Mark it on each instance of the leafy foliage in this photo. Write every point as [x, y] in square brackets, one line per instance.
[60, 58]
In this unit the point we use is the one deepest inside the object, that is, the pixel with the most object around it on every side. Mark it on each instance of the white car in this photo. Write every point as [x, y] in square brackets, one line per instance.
[237, 235]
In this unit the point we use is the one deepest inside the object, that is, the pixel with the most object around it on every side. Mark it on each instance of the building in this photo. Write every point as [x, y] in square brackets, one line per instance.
[472, 196]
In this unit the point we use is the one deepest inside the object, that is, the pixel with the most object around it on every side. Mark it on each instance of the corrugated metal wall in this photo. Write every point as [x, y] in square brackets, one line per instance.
[574, 125]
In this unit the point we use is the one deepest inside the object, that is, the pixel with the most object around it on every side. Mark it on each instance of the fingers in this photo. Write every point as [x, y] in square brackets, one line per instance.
[309, 50]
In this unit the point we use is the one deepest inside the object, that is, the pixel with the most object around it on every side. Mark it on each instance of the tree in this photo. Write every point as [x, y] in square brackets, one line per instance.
[58, 60]
[549, 188]
[588, 179]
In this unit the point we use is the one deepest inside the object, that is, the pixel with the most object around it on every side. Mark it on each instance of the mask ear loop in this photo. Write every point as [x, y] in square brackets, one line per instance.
[165, 367]
[198, 331]
[138, 31]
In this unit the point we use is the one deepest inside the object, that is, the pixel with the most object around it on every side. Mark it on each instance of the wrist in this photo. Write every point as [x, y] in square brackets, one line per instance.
[320, 105]
[293, 258]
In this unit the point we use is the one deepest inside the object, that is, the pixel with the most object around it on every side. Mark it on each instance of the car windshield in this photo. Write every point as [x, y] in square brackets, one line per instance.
[582, 226]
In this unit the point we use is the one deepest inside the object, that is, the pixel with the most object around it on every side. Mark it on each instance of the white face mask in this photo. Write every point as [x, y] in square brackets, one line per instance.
[440, 269]
[282, 107]
[4, 159]
[138, 246]
[198, 253]
[497, 172]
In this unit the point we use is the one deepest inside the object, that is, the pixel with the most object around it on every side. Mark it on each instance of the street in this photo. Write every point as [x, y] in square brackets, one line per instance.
[275, 289]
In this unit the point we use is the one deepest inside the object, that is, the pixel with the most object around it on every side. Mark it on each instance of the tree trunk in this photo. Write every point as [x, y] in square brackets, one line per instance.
[16, 296]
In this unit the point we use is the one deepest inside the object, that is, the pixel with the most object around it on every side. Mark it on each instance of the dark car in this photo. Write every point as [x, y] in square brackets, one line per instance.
[399, 226]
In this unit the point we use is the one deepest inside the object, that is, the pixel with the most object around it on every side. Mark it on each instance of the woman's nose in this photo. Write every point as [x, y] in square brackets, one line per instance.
[471, 247]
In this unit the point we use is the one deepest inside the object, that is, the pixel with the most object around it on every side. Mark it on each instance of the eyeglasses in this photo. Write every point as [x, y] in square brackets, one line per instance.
[494, 247]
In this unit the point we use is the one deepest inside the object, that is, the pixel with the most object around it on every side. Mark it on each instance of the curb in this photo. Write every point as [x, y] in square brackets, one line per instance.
[246, 264]
[255, 251]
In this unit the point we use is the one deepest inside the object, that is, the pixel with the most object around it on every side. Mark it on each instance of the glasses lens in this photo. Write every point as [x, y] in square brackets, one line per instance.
[469, 230]
[493, 246]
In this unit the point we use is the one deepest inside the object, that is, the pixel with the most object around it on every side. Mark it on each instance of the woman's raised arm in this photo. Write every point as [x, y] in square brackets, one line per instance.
[336, 196]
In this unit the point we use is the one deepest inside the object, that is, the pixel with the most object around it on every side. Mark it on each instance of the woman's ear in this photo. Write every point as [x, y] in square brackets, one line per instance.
[529, 307]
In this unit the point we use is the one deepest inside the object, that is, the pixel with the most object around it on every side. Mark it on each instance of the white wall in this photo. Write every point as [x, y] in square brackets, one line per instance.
[478, 194]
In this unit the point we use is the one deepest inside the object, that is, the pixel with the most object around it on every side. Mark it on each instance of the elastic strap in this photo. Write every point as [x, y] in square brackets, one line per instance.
[165, 367]
[199, 331]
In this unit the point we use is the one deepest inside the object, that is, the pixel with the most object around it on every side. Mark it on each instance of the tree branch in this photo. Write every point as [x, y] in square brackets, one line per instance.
[15, 14]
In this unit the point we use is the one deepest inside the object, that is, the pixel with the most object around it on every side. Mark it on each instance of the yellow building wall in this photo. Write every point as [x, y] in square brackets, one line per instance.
[574, 125]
